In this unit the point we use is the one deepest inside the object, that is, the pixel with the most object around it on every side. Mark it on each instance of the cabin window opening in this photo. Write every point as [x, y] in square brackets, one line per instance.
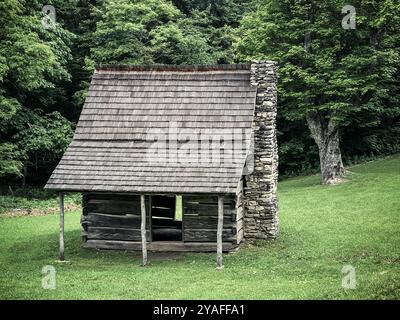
[166, 218]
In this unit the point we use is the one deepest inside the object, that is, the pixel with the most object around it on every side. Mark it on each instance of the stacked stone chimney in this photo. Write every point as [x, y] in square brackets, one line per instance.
[260, 198]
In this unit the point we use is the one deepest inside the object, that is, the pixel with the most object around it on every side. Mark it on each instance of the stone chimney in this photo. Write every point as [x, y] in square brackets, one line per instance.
[260, 198]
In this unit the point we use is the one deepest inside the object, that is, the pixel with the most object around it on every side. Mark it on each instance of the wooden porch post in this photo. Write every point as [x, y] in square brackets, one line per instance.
[143, 229]
[61, 198]
[219, 231]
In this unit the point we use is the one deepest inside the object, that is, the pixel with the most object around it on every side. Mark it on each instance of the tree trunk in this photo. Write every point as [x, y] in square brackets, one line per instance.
[326, 135]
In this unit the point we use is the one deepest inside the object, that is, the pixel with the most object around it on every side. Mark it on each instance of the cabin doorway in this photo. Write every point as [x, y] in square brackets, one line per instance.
[166, 218]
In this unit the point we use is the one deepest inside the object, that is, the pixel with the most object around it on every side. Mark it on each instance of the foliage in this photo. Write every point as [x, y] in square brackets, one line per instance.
[33, 60]
[322, 230]
[339, 72]
[221, 12]
[44, 133]
[34, 199]
[347, 77]
[123, 31]
[45, 73]
[188, 41]
[150, 31]
[10, 160]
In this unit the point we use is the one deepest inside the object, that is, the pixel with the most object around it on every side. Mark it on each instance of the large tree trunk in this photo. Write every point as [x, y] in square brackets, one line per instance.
[326, 135]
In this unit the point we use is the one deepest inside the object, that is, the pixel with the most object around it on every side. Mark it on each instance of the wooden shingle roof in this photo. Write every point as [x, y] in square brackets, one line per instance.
[161, 129]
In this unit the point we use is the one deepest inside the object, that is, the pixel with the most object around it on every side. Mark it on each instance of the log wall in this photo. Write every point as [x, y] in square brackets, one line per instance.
[200, 218]
[109, 219]
[113, 217]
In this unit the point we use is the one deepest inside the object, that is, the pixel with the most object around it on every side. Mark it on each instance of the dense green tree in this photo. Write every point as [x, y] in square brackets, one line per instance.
[80, 18]
[153, 31]
[42, 143]
[221, 12]
[33, 60]
[216, 21]
[150, 31]
[192, 40]
[343, 83]
[123, 32]
[330, 76]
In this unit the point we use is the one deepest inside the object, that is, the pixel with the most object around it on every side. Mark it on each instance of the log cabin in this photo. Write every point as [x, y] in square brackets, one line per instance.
[174, 158]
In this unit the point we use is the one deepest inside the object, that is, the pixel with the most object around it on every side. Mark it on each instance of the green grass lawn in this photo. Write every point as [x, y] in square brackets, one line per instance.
[322, 229]
[35, 201]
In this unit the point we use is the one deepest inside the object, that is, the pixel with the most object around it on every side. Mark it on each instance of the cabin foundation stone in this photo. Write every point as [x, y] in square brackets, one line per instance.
[261, 214]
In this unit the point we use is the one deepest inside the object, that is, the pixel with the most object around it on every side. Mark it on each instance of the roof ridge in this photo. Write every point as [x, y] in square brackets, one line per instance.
[166, 67]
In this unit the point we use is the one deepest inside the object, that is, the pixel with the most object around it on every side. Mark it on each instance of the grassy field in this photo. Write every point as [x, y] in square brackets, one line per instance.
[322, 229]
[35, 201]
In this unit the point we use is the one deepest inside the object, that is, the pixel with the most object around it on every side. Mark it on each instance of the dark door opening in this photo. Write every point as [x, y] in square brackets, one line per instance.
[166, 220]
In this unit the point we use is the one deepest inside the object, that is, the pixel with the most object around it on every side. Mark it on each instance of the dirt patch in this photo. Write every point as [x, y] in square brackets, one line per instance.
[39, 212]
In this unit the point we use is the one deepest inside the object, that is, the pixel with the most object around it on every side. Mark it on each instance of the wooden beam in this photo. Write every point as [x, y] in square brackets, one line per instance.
[219, 231]
[160, 246]
[143, 229]
[61, 197]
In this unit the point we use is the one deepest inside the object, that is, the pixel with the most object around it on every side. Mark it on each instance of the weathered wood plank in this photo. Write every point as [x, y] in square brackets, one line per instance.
[168, 94]
[128, 110]
[111, 220]
[100, 202]
[161, 89]
[112, 196]
[109, 233]
[182, 101]
[159, 246]
[178, 189]
[209, 199]
[61, 253]
[114, 207]
[208, 235]
[206, 210]
[107, 120]
[206, 222]
[159, 185]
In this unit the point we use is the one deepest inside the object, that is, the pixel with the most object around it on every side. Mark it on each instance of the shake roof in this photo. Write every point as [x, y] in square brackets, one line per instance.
[161, 129]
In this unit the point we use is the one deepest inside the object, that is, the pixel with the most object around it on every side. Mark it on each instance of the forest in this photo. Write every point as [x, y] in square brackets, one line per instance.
[338, 91]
